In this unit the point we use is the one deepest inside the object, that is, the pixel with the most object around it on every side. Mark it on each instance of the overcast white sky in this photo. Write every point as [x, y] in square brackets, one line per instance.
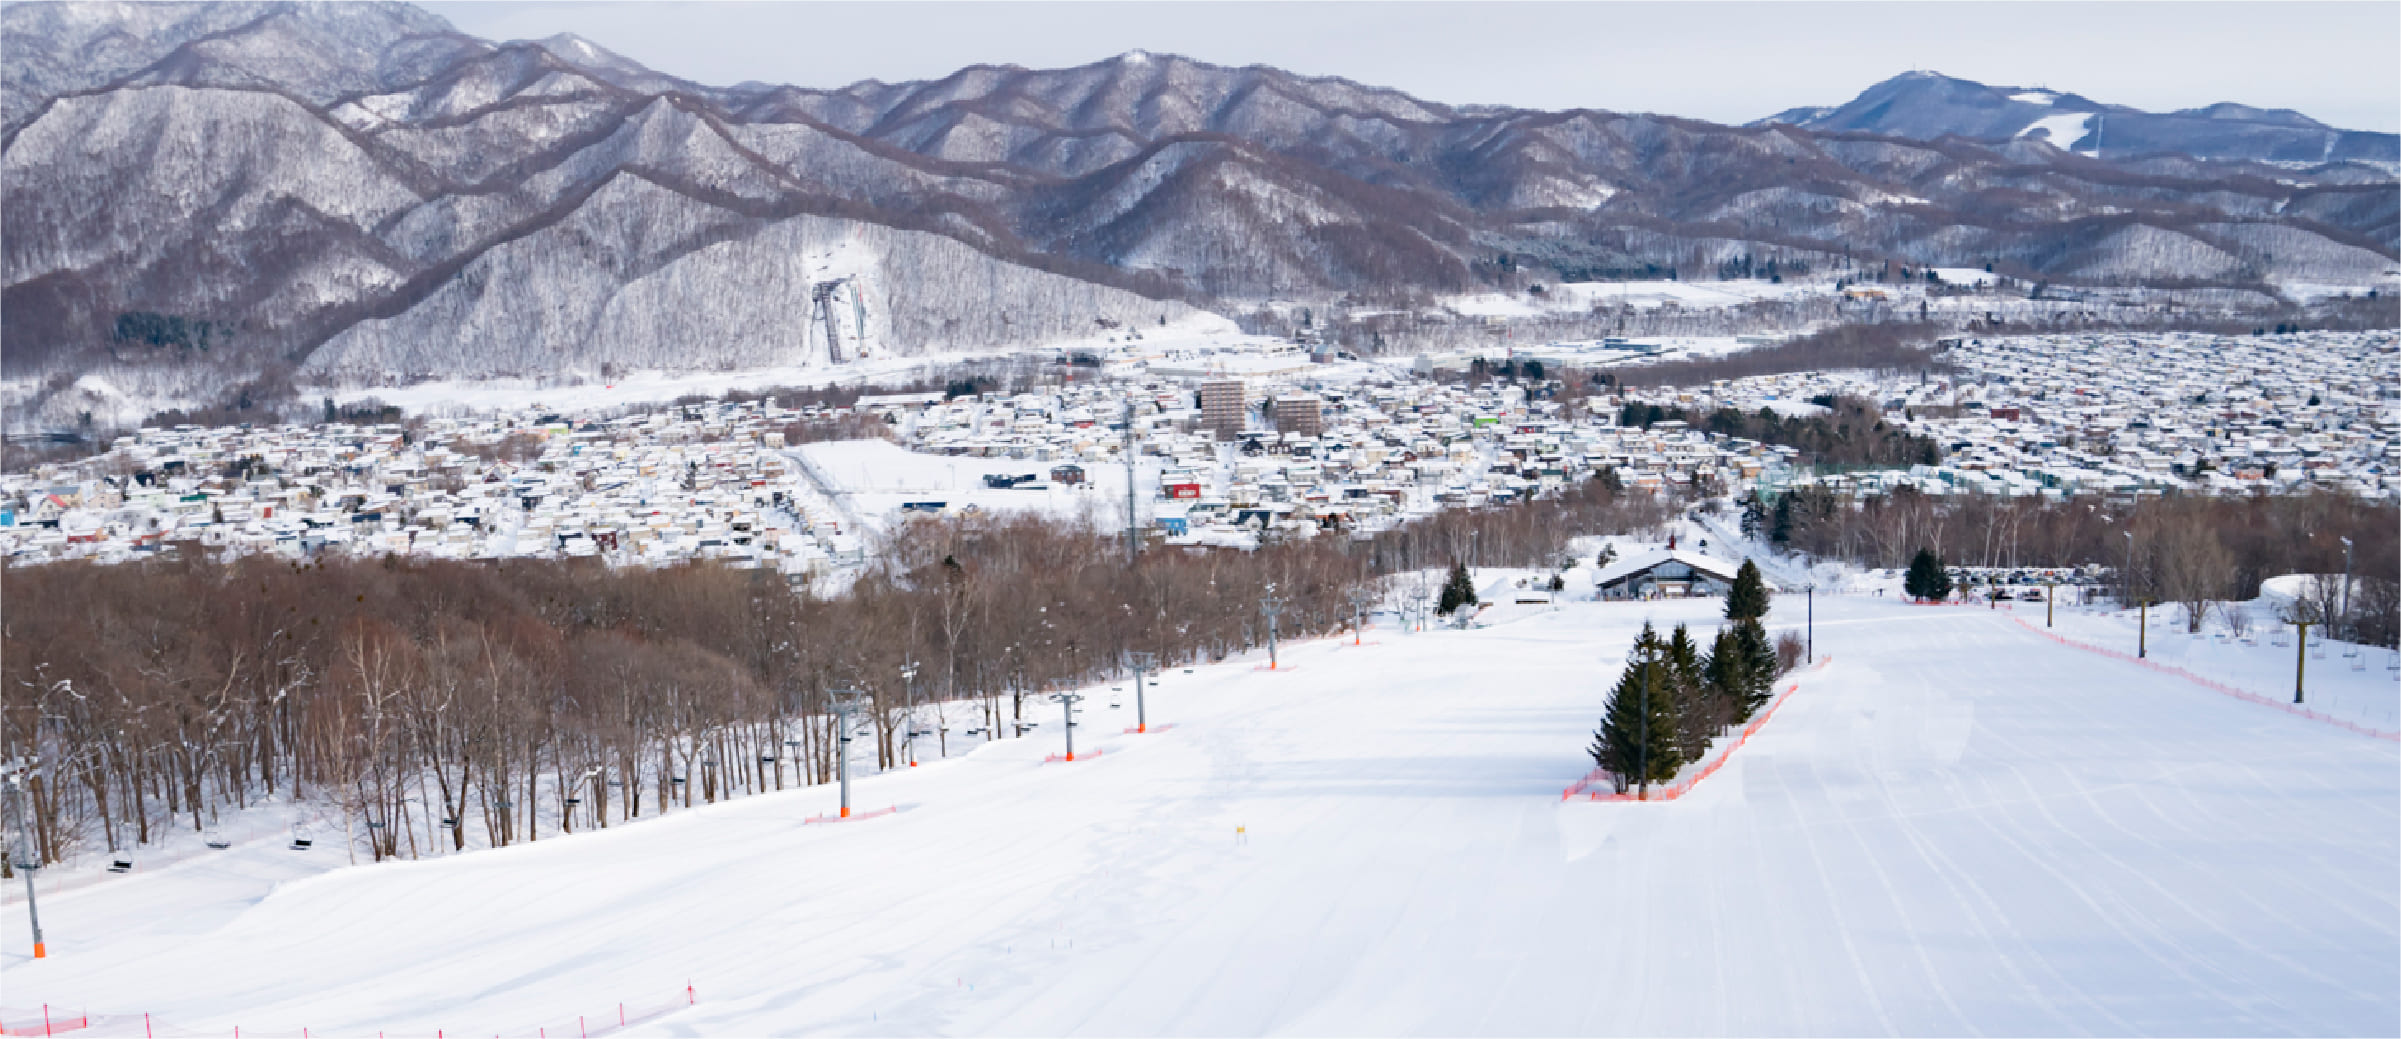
[1723, 61]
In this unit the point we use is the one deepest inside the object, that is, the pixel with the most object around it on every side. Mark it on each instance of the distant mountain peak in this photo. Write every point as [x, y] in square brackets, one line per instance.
[1926, 105]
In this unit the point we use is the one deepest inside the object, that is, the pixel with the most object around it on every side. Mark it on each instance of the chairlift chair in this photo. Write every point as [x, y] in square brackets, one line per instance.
[572, 801]
[120, 866]
[217, 839]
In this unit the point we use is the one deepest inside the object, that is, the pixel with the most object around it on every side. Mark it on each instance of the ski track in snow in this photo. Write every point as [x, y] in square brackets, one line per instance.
[1957, 828]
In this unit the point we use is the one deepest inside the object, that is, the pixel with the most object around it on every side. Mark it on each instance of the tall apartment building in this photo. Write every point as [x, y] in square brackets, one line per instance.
[1301, 413]
[1222, 405]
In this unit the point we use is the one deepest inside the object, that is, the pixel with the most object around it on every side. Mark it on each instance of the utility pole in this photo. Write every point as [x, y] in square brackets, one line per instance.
[1642, 746]
[1067, 702]
[846, 701]
[908, 739]
[1271, 607]
[2128, 577]
[1141, 662]
[28, 854]
[2342, 619]
[1133, 525]
[2142, 629]
[2300, 658]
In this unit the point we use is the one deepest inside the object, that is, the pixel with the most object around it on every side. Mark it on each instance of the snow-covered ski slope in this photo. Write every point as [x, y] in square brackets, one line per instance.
[1959, 827]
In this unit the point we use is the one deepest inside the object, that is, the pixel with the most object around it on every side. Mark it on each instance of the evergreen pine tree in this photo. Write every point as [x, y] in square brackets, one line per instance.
[1459, 590]
[1698, 716]
[1926, 578]
[1747, 600]
[1636, 745]
[1726, 675]
[1780, 524]
[1758, 668]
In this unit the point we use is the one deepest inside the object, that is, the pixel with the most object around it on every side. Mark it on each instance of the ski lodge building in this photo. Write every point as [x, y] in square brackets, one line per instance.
[1666, 574]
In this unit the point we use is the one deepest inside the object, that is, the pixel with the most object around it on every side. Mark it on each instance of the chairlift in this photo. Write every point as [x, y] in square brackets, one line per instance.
[572, 801]
[302, 844]
[977, 731]
[767, 759]
[375, 824]
[216, 839]
[1114, 703]
[673, 779]
[450, 823]
[121, 866]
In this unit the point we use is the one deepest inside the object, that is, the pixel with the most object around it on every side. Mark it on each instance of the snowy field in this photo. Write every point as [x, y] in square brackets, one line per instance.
[872, 479]
[1957, 828]
[1581, 297]
[1199, 331]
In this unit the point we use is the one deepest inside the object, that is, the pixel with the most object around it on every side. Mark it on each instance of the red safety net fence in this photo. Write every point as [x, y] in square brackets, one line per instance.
[2296, 710]
[1600, 785]
[596, 1021]
[41, 1021]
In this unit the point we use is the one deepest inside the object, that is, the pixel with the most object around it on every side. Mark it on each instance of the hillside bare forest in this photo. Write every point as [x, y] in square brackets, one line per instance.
[2187, 549]
[428, 697]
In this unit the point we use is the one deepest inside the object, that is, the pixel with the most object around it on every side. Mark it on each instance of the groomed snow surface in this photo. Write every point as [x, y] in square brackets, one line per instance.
[1959, 827]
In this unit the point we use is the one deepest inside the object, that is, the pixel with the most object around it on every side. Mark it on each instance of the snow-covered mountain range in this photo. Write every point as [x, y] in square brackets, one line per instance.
[201, 194]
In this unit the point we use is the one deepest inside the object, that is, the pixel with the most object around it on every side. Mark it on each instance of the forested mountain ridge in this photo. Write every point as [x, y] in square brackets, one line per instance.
[200, 195]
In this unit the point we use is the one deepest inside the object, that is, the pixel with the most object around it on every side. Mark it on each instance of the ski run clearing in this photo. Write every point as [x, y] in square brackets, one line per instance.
[1959, 827]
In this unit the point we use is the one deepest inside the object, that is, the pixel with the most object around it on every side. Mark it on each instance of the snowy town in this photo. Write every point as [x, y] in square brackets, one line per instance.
[1246, 440]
